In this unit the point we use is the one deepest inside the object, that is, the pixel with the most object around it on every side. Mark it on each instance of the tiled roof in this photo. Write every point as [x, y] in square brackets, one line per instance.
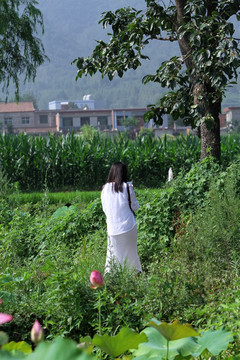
[13, 107]
[231, 108]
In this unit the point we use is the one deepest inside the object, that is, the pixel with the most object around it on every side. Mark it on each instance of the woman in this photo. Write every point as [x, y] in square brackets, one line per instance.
[121, 223]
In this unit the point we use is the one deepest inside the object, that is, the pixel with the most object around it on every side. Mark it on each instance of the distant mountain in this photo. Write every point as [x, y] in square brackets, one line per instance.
[71, 30]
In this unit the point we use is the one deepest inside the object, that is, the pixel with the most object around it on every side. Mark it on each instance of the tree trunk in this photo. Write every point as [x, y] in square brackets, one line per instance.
[210, 134]
[210, 138]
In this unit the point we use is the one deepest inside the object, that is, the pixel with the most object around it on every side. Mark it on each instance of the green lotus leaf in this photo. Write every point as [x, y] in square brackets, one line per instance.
[174, 331]
[20, 346]
[86, 344]
[7, 355]
[116, 345]
[144, 357]
[59, 349]
[214, 341]
[156, 347]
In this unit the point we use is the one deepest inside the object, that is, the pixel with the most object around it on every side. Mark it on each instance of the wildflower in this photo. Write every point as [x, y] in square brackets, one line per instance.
[4, 318]
[96, 279]
[37, 333]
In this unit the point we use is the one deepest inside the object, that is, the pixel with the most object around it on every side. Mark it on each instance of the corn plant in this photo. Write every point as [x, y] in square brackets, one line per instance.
[74, 162]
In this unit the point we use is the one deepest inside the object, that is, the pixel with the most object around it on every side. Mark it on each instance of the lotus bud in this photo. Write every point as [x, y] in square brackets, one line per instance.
[4, 318]
[96, 279]
[37, 333]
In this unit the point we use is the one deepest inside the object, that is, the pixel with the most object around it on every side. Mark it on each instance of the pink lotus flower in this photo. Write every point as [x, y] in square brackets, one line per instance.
[37, 333]
[96, 279]
[4, 318]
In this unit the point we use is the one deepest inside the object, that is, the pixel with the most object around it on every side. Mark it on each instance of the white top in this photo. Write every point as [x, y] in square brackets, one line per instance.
[120, 218]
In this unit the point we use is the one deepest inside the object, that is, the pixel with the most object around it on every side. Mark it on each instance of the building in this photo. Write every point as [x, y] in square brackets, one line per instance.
[85, 104]
[232, 116]
[22, 117]
[61, 118]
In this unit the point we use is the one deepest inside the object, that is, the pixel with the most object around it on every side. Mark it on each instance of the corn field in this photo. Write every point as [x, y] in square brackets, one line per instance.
[71, 162]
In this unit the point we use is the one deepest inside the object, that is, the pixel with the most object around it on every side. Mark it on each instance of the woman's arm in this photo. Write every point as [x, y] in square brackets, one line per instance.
[134, 202]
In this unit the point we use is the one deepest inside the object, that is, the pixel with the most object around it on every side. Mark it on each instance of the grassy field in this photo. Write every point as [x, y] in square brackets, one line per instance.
[188, 243]
[58, 198]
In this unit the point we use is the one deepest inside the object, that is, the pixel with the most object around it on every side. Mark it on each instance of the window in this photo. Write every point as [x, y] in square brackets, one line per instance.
[43, 119]
[120, 120]
[8, 121]
[102, 122]
[25, 120]
[85, 121]
[67, 122]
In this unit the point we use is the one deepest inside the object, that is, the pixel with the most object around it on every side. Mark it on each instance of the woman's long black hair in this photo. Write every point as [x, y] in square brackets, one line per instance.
[117, 175]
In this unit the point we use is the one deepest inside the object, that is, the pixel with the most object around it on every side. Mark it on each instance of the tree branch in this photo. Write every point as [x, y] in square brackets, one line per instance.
[154, 37]
[230, 10]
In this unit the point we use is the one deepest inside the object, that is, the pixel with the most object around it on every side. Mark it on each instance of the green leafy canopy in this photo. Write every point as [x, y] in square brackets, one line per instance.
[197, 79]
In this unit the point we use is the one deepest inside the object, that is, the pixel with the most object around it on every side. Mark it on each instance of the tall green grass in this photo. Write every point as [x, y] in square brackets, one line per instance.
[61, 198]
[70, 197]
[75, 163]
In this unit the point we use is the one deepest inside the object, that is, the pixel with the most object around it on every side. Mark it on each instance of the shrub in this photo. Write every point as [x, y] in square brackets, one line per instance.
[212, 236]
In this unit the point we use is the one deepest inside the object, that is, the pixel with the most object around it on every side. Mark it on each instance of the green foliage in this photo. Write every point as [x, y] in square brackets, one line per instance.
[30, 235]
[158, 347]
[197, 79]
[229, 146]
[8, 198]
[160, 214]
[131, 122]
[88, 133]
[21, 50]
[116, 345]
[174, 331]
[72, 162]
[57, 199]
[172, 340]
[150, 343]
[146, 132]
[47, 258]
[61, 349]
[21, 346]
[212, 234]
[234, 126]
[77, 163]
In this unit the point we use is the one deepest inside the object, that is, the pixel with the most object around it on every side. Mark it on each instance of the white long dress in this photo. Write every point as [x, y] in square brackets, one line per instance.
[121, 227]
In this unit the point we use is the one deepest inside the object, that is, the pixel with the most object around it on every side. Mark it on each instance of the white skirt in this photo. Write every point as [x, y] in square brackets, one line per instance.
[122, 250]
